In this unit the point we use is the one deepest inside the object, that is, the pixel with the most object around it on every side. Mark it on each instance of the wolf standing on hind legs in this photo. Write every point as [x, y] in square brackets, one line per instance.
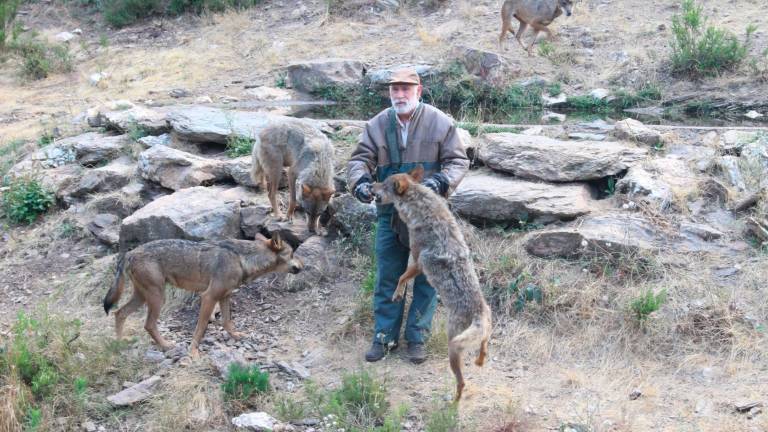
[397, 140]
[308, 154]
[440, 252]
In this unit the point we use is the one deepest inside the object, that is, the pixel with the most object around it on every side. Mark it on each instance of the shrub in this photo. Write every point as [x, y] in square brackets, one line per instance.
[647, 303]
[244, 381]
[25, 200]
[45, 139]
[444, 419]
[8, 10]
[120, 13]
[703, 51]
[40, 59]
[177, 7]
[239, 145]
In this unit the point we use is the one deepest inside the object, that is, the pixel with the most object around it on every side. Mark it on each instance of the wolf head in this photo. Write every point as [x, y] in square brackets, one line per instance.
[286, 262]
[566, 5]
[397, 185]
[314, 201]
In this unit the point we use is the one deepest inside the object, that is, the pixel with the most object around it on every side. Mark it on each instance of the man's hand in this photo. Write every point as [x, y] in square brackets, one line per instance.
[432, 184]
[364, 192]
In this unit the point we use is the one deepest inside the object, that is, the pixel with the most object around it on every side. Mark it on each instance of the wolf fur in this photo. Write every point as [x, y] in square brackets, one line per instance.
[308, 154]
[212, 269]
[535, 13]
[439, 250]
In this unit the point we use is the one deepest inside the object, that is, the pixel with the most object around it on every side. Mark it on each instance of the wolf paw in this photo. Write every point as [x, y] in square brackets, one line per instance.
[397, 297]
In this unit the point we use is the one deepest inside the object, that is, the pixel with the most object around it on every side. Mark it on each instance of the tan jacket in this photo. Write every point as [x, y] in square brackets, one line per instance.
[432, 143]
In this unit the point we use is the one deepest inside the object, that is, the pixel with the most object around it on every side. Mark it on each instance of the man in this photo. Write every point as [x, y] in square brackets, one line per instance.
[397, 140]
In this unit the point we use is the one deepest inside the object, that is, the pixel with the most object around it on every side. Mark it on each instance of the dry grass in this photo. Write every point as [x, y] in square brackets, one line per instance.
[12, 395]
[188, 398]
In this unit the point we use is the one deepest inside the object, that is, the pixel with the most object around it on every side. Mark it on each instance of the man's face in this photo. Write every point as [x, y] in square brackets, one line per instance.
[405, 97]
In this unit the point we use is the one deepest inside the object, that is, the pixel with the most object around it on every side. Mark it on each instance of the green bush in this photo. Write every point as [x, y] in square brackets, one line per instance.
[120, 13]
[40, 59]
[699, 50]
[8, 10]
[45, 139]
[25, 200]
[647, 303]
[244, 381]
[444, 419]
[239, 146]
[177, 7]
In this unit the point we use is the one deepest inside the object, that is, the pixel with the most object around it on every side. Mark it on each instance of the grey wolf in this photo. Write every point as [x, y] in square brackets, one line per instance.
[308, 154]
[394, 141]
[535, 13]
[212, 269]
[439, 251]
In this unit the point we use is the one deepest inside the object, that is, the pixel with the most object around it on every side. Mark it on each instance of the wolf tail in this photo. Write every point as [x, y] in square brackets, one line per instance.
[114, 293]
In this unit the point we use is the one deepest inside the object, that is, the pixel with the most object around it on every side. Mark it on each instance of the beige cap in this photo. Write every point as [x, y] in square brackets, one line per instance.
[405, 76]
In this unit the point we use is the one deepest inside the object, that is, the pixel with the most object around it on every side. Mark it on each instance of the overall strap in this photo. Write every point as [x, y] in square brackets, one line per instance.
[392, 141]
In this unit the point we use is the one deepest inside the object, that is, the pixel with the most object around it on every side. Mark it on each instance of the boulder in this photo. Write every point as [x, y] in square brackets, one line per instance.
[320, 264]
[152, 140]
[486, 196]
[596, 235]
[257, 421]
[204, 124]
[311, 76]
[127, 117]
[487, 66]
[135, 393]
[196, 213]
[175, 169]
[98, 180]
[88, 149]
[542, 158]
[106, 228]
[349, 216]
[381, 76]
[223, 357]
[633, 130]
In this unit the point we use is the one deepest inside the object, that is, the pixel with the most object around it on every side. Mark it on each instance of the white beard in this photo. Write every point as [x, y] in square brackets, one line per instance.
[407, 108]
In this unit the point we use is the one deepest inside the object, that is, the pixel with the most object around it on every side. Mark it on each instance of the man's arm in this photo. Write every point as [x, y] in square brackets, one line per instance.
[453, 161]
[362, 164]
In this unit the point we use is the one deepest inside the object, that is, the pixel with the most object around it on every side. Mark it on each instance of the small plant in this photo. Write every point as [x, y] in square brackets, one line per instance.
[239, 145]
[554, 89]
[444, 419]
[280, 81]
[610, 186]
[45, 139]
[476, 129]
[647, 304]
[361, 400]
[546, 49]
[289, 409]
[136, 131]
[25, 200]
[244, 381]
[33, 420]
[80, 385]
[103, 40]
[700, 50]
[67, 229]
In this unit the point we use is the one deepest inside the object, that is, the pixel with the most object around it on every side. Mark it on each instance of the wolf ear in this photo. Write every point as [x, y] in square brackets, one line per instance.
[417, 173]
[276, 243]
[305, 190]
[401, 185]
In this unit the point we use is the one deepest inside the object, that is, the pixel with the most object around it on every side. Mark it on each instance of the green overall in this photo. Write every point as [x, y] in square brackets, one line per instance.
[392, 260]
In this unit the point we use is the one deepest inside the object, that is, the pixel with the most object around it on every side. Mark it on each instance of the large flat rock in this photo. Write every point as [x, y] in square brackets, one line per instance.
[609, 233]
[484, 195]
[543, 158]
[176, 169]
[197, 213]
[204, 124]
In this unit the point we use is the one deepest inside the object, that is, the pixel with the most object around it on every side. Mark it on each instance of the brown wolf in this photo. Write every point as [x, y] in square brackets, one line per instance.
[213, 269]
[308, 154]
[535, 13]
[439, 251]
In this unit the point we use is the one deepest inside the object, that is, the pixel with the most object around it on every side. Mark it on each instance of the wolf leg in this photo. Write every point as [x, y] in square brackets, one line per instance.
[411, 272]
[226, 317]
